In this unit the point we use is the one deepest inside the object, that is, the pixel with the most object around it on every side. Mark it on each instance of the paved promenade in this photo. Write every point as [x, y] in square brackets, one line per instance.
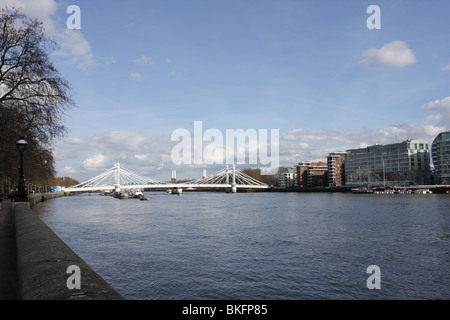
[8, 270]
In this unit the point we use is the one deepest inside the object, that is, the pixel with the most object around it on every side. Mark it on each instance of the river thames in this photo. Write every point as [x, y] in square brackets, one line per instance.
[260, 246]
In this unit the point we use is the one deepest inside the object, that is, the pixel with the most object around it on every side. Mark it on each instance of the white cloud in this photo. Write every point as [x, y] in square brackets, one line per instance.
[74, 48]
[69, 148]
[142, 157]
[442, 108]
[67, 171]
[145, 60]
[136, 76]
[395, 54]
[143, 153]
[96, 162]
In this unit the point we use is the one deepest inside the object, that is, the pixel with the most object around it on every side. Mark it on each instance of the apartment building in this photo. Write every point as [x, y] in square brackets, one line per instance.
[312, 174]
[336, 169]
[287, 177]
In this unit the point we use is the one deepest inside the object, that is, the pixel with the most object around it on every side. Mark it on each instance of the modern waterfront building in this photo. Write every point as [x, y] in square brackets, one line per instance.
[336, 169]
[440, 152]
[404, 163]
[312, 174]
[287, 177]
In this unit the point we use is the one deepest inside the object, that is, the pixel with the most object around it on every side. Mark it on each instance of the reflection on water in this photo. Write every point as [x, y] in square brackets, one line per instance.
[212, 245]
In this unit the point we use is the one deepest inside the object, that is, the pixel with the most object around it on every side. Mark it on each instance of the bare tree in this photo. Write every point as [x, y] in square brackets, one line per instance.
[29, 82]
[34, 97]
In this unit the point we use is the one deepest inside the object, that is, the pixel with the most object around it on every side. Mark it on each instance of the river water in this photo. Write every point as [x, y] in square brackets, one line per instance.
[260, 246]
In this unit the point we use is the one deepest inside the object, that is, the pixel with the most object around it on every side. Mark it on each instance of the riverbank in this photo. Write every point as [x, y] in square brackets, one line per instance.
[35, 264]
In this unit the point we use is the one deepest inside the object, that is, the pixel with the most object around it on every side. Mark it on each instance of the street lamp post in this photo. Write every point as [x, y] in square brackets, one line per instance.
[21, 195]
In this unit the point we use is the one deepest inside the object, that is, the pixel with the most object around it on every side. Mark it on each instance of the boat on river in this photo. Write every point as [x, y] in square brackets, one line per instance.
[362, 190]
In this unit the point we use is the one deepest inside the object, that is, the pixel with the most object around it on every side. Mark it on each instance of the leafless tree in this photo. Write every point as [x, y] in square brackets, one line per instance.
[34, 97]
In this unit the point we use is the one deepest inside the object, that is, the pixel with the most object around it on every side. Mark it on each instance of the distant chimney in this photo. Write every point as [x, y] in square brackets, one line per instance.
[204, 173]
[174, 176]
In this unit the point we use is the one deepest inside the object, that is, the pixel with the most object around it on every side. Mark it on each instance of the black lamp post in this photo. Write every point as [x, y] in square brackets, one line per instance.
[21, 194]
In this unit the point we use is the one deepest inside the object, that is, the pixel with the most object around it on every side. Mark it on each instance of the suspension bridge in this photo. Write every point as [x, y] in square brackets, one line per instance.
[117, 179]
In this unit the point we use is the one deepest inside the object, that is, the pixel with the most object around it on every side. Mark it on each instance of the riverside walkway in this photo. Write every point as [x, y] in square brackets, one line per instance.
[8, 267]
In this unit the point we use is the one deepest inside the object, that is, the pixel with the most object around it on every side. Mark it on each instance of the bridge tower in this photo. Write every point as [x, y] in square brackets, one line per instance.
[233, 177]
[233, 183]
[117, 177]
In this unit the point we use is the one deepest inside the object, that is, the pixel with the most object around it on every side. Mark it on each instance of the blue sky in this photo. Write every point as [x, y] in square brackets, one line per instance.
[312, 69]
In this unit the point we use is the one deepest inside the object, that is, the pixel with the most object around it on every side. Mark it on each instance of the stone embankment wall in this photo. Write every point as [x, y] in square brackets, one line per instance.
[47, 268]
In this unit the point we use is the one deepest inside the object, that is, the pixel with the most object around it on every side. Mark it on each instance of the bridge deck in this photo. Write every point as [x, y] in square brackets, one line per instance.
[125, 179]
[166, 186]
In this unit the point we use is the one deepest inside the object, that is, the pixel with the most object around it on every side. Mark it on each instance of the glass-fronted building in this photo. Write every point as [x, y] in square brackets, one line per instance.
[405, 163]
[440, 152]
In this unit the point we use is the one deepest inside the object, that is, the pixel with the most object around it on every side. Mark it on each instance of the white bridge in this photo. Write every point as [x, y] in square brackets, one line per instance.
[118, 178]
